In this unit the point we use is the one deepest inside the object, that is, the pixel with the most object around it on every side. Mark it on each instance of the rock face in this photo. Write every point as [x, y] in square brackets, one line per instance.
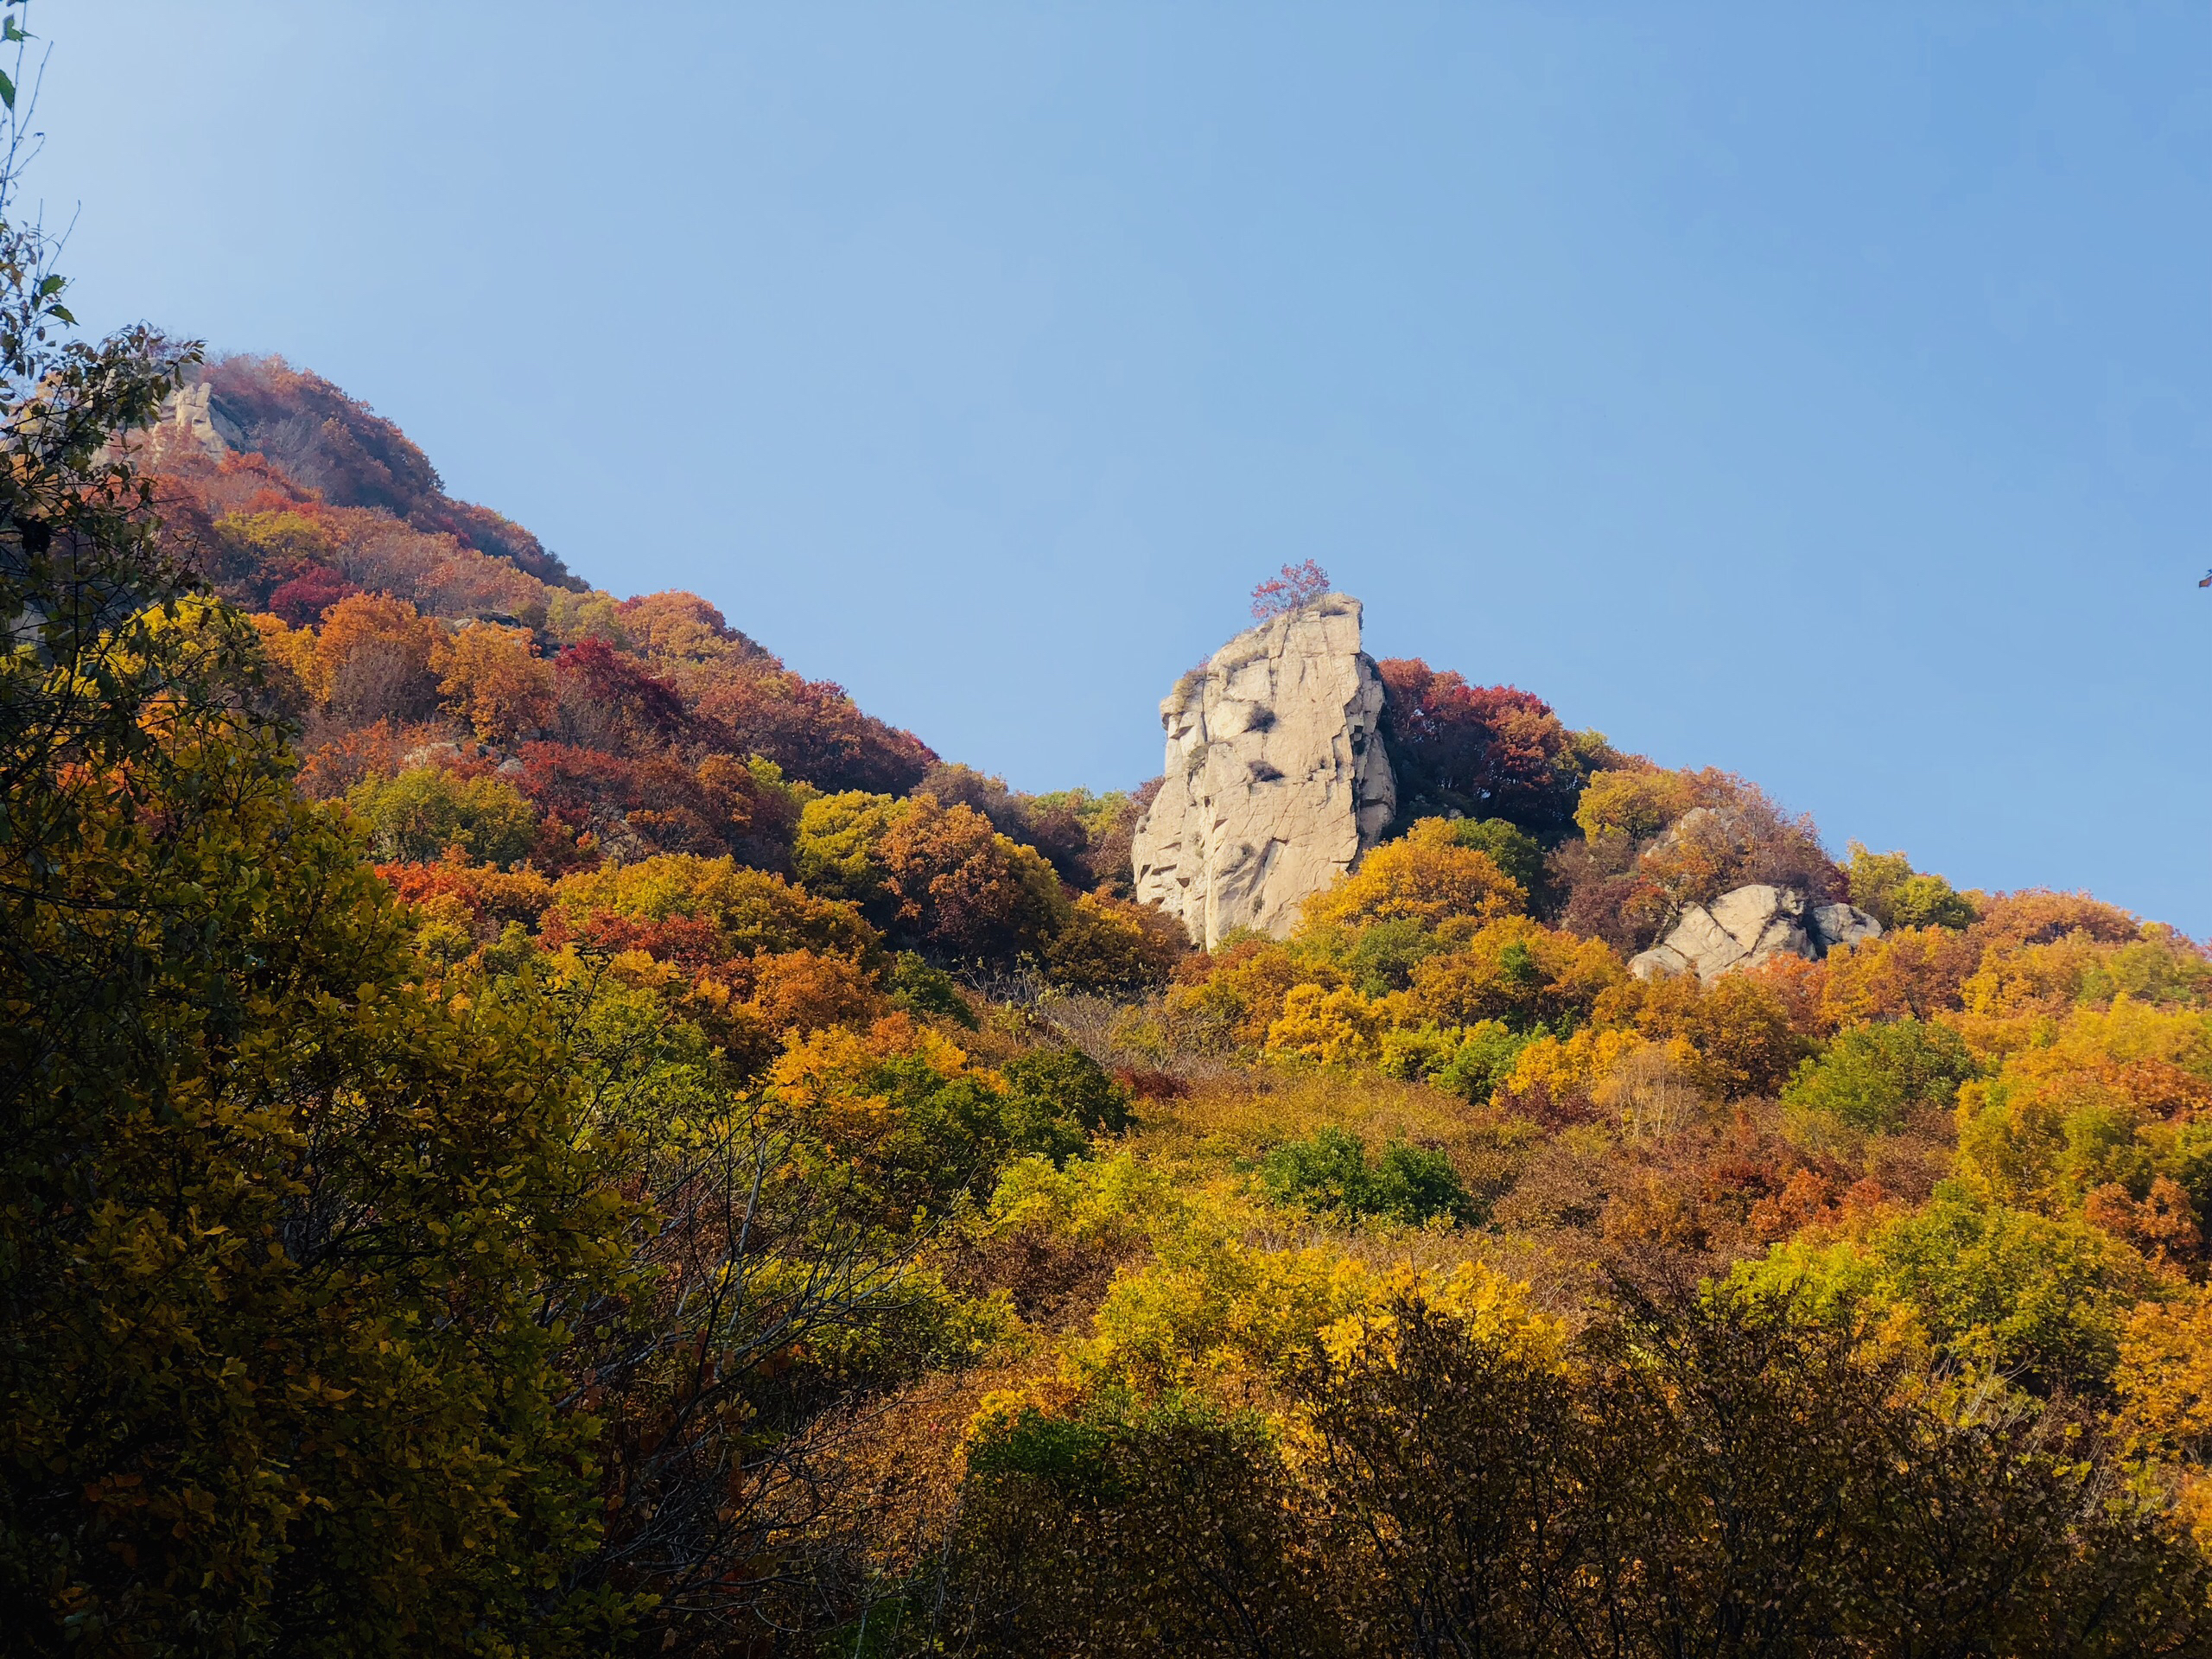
[1276, 781]
[189, 413]
[1749, 926]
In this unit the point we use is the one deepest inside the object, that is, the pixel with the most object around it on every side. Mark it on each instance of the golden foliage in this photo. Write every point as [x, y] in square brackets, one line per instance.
[1425, 878]
[1334, 1027]
[1516, 970]
[493, 678]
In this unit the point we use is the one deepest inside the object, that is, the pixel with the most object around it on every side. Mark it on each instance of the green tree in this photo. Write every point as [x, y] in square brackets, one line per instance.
[1330, 1170]
[1872, 1078]
[425, 810]
[1888, 888]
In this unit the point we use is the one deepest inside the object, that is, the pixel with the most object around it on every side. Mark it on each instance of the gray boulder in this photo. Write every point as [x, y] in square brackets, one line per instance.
[1750, 927]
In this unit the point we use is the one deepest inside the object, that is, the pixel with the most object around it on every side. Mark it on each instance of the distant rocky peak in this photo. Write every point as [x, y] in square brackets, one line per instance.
[1276, 781]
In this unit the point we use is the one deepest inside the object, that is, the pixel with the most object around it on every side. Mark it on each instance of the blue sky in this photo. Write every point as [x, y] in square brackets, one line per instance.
[1825, 395]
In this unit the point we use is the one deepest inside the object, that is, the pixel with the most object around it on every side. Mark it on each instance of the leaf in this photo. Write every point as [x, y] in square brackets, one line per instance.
[8, 93]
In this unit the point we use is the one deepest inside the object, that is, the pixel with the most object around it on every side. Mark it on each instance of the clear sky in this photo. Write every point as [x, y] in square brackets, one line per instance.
[1822, 393]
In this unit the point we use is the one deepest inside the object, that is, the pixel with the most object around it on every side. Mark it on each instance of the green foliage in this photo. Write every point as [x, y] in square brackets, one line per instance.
[419, 814]
[1717, 1477]
[1872, 1078]
[1519, 854]
[1469, 1061]
[835, 853]
[1065, 1085]
[1484, 1060]
[278, 1369]
[1885, 886]
[1378, 958]
[920, 989]
[1330, 1171]
[2030, 1298]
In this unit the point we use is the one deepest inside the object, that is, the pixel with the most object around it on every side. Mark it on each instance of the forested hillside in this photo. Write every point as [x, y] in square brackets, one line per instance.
[534, 1128]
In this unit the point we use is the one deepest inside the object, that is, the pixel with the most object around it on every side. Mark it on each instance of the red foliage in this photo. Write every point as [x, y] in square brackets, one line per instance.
[811, 729]
[1492, 751]
[620, 684]
[302, 600]
[1298, 585]
[694, 944]
[714, 810]
[490, 895]
[1151, 1085]
[340, 448]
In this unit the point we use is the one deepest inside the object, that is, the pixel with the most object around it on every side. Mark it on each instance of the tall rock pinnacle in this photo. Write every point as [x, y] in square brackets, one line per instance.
[1276, 781]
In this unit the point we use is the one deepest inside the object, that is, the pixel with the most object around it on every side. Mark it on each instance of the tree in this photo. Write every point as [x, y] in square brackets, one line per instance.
[1299, 586]
[494, 678]
[1873, 1077]
[1491, 752]
[424, 810]
[1426, 878]
[1517, 971]
[1885, 886]
[1111, 947]
[374, 656]
[283, 1209]
[1330, 1171]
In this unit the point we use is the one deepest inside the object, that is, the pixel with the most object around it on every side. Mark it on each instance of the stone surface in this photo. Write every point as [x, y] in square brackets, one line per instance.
[190, 414]
[1834, 924]
[1748, 926]
[1276, 781]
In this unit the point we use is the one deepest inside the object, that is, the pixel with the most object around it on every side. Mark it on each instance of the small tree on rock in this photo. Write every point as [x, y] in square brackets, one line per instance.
[1298, 585]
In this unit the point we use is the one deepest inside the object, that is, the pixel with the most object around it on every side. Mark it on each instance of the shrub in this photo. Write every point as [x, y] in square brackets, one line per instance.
[920, 989]
[1885, 887]
[1872, 1078]
[425, 810]
[1330, 1171]
[1068, 1085]
[1426, 878]
[1110, 947]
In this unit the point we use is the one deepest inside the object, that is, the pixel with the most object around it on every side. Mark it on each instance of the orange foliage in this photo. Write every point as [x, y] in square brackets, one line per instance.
[1802, 986]
[2036, 917]
[373, 655]
[489, 895]
[1738, 1025]
[1914, 972]
[962, 887]
[1108, 946]
[1517, 971]
[379, 751]
[494, 678]
[804, 991]
[678, 626]
[2163, 1224]
[1238, 992]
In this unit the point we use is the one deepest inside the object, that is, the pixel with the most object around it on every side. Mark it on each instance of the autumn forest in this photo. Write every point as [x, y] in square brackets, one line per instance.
[532, 1129]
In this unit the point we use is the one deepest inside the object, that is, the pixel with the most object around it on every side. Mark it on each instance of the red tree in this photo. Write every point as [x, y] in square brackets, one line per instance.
[1299, 584]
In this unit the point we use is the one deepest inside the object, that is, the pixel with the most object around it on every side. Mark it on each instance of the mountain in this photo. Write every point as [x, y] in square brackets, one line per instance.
[535, 1128]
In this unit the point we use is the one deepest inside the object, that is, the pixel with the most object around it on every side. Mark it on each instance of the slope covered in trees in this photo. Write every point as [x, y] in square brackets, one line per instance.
[533, 1129]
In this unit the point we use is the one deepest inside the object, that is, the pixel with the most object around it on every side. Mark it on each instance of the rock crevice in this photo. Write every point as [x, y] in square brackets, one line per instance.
[1275, 784]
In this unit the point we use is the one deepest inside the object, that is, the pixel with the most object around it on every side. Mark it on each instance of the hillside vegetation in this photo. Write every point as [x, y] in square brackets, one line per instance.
[535, 1129]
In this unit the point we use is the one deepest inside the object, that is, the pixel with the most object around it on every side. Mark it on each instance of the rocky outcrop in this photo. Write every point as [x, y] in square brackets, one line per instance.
[1748, 927]
[1276, 781]
[189, 415]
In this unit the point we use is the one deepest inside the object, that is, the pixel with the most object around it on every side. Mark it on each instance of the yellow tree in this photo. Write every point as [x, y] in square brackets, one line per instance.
[494, 678]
